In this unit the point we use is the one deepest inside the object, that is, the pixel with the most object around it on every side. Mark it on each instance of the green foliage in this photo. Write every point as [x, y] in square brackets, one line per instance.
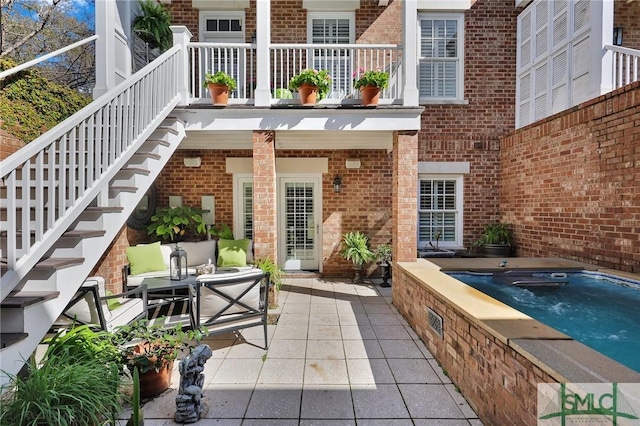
[222, 231]
[356, 248]
[371, 78]
[319, 79]
[77, 383]
[495, 233]
[384, 252]
[30, 104]
[152, 25]
[273, 269]
[150, 347]
[171, 223]
[137, 413]
[220, 77]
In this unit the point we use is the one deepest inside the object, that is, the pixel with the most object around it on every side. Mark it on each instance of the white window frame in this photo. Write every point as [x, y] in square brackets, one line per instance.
[459, 210]
[220, 36]
[238, 203]
[459, 96]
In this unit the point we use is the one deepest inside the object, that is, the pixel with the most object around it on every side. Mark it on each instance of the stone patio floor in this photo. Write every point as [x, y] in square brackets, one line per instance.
[340, 354]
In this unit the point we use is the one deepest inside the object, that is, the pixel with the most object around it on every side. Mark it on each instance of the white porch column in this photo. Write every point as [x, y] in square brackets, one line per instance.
[182, 37]
[601, 78]
[410, 26]
[263, 41]
[105, 47]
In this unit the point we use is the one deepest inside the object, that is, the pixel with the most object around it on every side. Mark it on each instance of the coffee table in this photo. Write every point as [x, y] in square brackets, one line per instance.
[164, 287]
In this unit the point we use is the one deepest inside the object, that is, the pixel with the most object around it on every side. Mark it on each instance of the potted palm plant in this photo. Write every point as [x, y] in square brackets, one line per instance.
[496, 240]
[219, 84]
[383, 254]
[356, 249]
[152, 25]
[370, 83]
[312, 85]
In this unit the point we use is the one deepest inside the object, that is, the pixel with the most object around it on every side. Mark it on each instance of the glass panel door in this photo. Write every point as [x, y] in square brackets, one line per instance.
[299, 224]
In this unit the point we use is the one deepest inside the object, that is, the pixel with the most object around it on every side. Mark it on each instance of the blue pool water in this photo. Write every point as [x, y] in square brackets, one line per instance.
[599, 310]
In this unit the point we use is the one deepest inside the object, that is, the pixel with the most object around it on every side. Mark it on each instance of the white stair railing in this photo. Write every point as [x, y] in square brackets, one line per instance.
[626, 66]
[46, 184]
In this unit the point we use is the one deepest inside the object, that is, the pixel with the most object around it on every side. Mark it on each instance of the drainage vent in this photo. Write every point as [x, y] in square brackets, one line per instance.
[435, 322]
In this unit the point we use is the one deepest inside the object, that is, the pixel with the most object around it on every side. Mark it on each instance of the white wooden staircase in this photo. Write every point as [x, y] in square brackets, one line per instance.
[65, 196]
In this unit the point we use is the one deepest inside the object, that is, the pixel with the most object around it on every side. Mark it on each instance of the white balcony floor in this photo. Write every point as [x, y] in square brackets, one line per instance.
[340, 354]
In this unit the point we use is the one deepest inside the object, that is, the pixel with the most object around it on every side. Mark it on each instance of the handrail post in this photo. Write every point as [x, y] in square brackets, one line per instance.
[105, 48]
[182, 37]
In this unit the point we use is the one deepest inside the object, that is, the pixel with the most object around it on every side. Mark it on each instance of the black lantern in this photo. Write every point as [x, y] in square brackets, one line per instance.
[337, 184]
[178, 264]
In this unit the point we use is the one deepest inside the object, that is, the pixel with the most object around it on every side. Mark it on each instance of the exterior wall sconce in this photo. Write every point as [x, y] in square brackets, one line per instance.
[178, 264]
[617, 36]
[192, 161]
[353, 163]
[337, 185]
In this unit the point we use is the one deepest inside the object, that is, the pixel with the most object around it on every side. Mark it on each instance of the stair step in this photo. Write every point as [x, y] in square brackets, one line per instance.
[22, 299]
[150, 155]
[82, 233]
[167, 129]
[107, 209]
[159, 142]
[135, 170]
[301, 274]
[59, 262]
[8, 339]
[119, 188]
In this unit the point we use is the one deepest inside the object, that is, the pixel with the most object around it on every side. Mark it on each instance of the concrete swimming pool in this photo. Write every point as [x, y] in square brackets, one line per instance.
[599, 310]
[496, 354]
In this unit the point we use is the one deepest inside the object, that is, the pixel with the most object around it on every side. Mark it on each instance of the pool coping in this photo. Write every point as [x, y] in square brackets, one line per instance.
[557, 354]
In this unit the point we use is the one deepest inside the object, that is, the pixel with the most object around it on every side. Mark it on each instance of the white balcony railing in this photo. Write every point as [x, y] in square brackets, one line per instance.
[626, 66]
[287, 60]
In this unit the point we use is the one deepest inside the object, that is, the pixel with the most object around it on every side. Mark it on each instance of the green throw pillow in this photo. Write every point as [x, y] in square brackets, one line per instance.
[145, 258]
[112, 304]
[232, 252]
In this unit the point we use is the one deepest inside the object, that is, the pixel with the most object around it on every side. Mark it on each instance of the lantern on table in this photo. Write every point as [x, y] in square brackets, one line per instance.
[178, 264]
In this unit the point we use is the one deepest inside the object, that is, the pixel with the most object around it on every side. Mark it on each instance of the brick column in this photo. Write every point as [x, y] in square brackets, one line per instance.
[265, 224]
[405, 196]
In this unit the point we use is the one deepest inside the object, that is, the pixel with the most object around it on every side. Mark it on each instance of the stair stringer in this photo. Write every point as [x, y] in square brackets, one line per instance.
[39, 318]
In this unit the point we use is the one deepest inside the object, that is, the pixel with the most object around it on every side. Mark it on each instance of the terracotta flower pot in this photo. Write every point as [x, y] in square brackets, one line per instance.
[370, 95]
[219, 94]
[154, 382]
[308, 94]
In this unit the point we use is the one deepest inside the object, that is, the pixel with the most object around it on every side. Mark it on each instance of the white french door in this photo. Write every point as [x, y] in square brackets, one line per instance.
[299, 222]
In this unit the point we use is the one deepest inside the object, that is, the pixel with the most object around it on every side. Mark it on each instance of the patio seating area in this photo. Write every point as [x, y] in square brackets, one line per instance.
[339, 354]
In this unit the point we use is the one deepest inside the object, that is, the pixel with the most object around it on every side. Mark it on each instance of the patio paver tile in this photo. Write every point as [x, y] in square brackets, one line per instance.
[323, 319]
[383, 319]
[226, 401]
[322, 309]
[325, 332]
[377, 309]
[274, 403]
[238, 371]
[391, 332]
[325, 349]
[400, 349]
[333, 422]
[283, 348]
[362, 349]
[291, 332]
[293, 319]
[353, 319]
[385, 422]
[326, 402]
[326, 372]
[463, 405]
[357, 332]
[295, 308]
[282, 371]
[378, 401]
[413, 371]
[369, 371]
[440, 404]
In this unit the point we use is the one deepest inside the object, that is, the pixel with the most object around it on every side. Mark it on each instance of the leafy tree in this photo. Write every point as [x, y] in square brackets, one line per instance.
[32, 28]
[30, 104]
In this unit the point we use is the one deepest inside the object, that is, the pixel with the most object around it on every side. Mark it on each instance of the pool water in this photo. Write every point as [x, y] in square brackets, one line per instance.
[598, 310]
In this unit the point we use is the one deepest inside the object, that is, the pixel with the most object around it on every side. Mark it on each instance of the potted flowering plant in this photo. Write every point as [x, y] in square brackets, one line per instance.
[370, 83]
[220, 84]
[311, 85]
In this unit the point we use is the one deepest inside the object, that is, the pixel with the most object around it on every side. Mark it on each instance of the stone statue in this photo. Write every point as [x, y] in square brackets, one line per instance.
[189, 406]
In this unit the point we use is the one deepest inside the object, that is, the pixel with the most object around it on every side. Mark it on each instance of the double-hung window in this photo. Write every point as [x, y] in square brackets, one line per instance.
[333, 28]
[440, 210]
[441, 57]
[243, 206]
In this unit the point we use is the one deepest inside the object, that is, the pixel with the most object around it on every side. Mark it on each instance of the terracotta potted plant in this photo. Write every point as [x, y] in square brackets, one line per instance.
[312, 85]
[370, 84]
[356, 249]
[152, 349]
[219, 84]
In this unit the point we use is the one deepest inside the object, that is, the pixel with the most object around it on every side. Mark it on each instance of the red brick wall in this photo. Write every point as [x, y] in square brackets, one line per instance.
[112, 261]
[627, 16]
[8, 144]
[471, 132]
[405, 202]
[265, 213]
[571, 183]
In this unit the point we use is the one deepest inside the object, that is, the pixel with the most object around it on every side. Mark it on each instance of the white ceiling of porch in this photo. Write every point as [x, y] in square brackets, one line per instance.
[290, 140]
